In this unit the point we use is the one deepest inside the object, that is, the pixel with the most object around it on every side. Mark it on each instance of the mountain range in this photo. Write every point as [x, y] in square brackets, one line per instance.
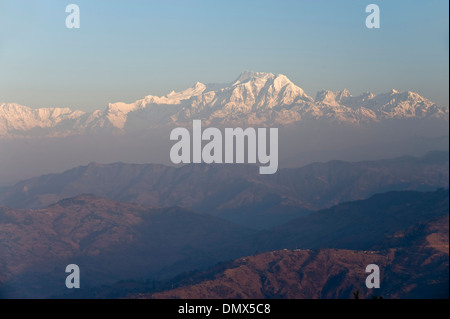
[235, 192]
[221, 230]
[254, 98]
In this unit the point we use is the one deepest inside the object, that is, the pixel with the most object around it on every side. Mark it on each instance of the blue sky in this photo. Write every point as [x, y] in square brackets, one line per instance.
[125, 50]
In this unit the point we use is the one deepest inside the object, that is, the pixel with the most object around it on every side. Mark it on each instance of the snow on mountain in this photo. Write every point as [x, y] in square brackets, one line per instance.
[16, 118]
[408, 104]
[332, 98]
[391, 105]
[254, 98]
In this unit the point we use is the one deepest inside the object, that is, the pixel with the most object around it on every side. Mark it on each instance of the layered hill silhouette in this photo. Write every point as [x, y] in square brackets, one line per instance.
[358, 225]
[113, 241]
[413, 262]
[235, 192]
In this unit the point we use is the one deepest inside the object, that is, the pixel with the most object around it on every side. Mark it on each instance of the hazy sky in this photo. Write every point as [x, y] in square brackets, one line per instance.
[125, 50]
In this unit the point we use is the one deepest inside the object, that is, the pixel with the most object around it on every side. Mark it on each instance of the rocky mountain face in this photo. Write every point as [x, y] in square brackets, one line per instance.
[254, 98]
[235, 192]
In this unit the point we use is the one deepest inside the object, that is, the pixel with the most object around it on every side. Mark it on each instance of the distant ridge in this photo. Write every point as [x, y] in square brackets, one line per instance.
[235, 192]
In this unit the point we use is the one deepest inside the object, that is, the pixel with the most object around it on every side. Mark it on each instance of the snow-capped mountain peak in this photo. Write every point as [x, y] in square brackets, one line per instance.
[332, 98]
[176, 97]
[254, 98]
[15, 117]
[250, 75]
